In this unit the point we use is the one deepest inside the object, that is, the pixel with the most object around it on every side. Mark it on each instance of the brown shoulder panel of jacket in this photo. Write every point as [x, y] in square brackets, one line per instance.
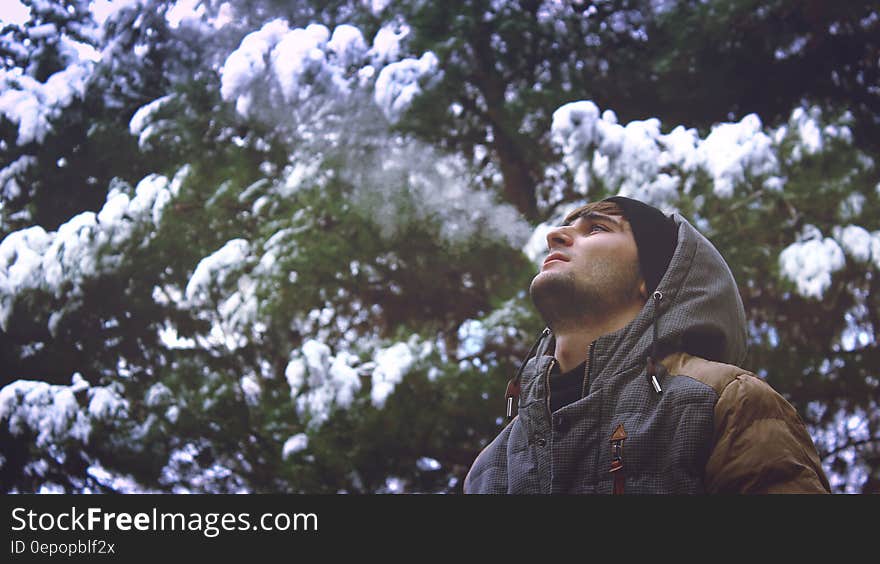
[761, 445]
[717, 375]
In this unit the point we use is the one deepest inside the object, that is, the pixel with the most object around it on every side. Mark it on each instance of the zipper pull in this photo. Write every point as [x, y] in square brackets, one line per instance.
[512, 397]
[652, 375]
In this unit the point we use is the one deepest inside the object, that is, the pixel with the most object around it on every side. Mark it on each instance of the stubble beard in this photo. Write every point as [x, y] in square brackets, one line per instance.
[566, 299]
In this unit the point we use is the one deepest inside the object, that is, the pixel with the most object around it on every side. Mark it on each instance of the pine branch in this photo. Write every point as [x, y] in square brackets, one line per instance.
[850, 444]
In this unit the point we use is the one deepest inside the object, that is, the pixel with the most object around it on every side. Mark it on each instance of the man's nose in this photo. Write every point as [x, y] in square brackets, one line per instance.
[560, 237]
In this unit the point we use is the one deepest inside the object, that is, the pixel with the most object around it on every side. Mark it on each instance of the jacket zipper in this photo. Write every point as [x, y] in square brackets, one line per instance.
[587, 371]
[547, 385]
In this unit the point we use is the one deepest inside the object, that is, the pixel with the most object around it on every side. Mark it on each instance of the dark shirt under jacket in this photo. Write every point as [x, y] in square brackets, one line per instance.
[566, 388]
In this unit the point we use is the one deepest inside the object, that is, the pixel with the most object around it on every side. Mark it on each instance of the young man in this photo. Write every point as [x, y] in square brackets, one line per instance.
[634, 387]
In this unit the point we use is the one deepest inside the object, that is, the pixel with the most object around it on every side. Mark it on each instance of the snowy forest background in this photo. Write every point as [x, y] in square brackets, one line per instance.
[275, 246]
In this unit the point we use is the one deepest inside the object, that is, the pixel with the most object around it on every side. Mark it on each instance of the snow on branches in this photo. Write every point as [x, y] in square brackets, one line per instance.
[84, 247]
[320, 381]
[286, 67]
[738, 158]
[640, 161]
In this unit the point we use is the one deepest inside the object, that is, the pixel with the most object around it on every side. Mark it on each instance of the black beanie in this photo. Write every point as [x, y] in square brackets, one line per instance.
[656, 237]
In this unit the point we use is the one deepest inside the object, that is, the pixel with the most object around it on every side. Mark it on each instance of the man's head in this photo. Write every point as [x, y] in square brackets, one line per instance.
[605, 258]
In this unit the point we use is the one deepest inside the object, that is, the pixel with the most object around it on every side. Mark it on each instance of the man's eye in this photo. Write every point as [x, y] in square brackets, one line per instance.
[599, 227]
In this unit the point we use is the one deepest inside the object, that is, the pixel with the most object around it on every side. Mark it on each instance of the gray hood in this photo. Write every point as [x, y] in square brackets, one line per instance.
[700, 313]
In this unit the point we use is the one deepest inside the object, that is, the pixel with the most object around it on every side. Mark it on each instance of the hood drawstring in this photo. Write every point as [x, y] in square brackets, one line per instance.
[511, 397]
[652, 359]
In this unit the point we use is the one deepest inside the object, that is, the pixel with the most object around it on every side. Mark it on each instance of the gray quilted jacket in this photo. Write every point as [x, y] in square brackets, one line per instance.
[713, 428]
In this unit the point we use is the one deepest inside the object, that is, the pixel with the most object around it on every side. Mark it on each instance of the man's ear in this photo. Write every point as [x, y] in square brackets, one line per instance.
[643, 290]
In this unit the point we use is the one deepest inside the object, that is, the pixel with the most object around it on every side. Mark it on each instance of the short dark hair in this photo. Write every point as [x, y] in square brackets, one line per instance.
[602, 206]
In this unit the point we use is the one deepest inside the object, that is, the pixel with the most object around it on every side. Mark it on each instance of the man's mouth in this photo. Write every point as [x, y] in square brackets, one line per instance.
[555, 256]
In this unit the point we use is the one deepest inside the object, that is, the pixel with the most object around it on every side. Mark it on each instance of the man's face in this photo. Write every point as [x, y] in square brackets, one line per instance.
[592, 267]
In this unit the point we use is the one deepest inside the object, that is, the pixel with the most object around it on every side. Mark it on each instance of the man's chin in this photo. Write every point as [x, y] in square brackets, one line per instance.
[551, 279]
[552, 293]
